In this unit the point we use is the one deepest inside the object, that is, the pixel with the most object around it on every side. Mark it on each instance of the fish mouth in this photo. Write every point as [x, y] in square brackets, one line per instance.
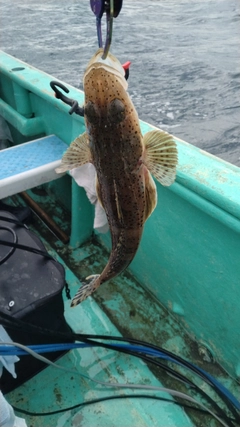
[111, 64]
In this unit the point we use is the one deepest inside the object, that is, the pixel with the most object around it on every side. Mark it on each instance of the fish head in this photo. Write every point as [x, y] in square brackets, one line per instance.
[111, 64]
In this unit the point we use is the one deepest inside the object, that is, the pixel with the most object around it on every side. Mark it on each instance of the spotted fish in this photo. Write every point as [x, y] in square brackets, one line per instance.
[124, 161]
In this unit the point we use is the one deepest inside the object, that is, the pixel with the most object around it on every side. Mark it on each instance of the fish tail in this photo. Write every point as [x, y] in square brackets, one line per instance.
[87, 289]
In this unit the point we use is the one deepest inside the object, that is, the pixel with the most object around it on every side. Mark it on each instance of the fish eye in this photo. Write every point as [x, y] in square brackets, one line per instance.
[116, 111]
[90, 110]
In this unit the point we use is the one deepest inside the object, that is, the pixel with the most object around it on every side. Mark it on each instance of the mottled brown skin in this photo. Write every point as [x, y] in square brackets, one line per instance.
[115, 142]
[123, 160]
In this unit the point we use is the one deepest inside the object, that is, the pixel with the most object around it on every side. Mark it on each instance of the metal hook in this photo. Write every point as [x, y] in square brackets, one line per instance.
[112, 9]
[73, 103]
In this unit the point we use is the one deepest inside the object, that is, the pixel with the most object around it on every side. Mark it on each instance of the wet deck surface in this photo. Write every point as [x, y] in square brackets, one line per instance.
[120, 306]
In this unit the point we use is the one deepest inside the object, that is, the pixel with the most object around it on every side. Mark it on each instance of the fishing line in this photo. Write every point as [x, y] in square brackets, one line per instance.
[170, 391]
[130, 350]
[228, 398]
[222, 391]
[18, 324]
[125, 385]
[68, 346]
[35, 349]
[106, 398]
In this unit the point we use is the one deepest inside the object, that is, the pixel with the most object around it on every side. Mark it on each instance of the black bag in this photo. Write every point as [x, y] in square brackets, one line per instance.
[31, 290]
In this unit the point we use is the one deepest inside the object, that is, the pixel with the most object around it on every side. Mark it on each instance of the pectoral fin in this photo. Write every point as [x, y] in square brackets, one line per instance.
[160, 156]
[76, 155]
[150, 195]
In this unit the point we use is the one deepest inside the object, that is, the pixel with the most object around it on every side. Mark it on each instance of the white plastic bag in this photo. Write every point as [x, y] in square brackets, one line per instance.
[85, 176]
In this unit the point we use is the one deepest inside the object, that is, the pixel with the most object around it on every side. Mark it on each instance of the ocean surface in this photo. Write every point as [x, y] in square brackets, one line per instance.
[185, 54]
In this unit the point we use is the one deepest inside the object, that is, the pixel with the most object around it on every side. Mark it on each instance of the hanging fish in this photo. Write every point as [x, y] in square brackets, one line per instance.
[124, 161]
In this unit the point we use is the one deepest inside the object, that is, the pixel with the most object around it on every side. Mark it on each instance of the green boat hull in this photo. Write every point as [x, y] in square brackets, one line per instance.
[181, 288]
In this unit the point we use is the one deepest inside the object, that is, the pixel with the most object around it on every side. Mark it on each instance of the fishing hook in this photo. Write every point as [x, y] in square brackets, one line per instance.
[75, 108]
[112, 9]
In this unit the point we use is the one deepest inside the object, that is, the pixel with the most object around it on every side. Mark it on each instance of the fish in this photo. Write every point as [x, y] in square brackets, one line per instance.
[124, 160]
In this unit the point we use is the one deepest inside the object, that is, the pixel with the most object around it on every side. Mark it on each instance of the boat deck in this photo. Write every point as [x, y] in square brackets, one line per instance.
[122, 306]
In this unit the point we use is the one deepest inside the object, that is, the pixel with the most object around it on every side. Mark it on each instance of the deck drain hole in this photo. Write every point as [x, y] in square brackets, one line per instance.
[18, 69]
